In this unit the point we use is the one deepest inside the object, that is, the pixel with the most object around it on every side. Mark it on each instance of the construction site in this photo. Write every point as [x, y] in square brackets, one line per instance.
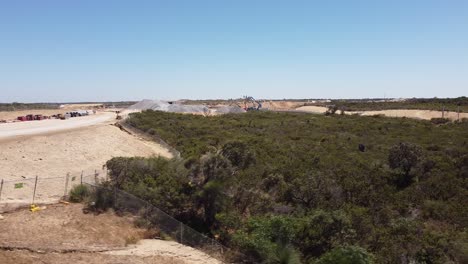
[45, 153]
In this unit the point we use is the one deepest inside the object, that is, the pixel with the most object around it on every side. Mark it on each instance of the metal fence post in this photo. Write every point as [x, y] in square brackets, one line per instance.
[81, 178]
[66, 184]
[1, 188]
[34, 192]
[181, 232]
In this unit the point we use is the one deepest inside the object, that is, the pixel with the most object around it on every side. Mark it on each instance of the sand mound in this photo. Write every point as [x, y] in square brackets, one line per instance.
[228, 110]
[164, 106]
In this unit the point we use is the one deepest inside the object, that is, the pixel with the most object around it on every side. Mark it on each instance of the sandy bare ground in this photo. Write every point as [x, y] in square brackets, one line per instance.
[151, 247]
[409, 113]
[63, 227]
[312, 109]
[281, 105]
[26, 257]
[80, 106]
[63, 234]
[54, 155]
[418, 114]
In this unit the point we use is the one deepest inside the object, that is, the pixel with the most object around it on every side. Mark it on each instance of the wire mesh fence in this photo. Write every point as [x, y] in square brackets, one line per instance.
[42, 190]
[14, 193]
[169, 227]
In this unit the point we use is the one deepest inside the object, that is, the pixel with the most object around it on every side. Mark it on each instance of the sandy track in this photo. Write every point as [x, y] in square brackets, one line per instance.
[418, 114]
[409, 113]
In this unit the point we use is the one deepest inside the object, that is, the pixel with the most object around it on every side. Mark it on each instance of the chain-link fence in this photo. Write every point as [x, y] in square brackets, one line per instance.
[168, 226]
[44, 190]
[40, 190]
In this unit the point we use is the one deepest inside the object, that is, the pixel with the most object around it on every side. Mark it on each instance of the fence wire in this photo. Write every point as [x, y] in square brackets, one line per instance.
[168, 226]
[44, 189]
[37, 190]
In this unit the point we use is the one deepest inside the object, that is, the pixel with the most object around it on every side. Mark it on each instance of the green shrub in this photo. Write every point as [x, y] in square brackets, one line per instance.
[79, 193]
[439, 120]
[102, 199]
[284, 254]
[346, 255]
[261, 180]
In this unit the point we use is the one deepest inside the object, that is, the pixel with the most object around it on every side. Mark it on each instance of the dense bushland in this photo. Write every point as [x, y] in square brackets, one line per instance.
[302, 188]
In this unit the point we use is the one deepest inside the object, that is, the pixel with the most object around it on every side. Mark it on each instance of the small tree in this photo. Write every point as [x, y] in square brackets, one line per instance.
[238, 154]
[331, 109]
[405, 156]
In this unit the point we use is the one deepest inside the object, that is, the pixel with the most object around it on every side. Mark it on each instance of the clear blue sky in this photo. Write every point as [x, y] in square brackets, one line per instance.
[128, 50]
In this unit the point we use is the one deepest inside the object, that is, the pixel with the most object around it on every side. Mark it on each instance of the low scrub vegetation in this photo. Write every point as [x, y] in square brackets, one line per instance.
[301, 188]
[79, 193]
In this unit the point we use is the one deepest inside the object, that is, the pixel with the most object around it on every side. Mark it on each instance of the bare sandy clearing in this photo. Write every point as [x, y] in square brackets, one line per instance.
[65, 227]
[312, 109]
[281, 105]
[151, 247]
[26, 257]
[409, 113]
[80, 106]
[63, 234]
[418, 114]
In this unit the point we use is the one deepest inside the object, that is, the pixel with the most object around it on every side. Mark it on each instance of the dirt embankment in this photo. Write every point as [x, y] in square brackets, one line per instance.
[64, 234]
[281, 105]
[57, 154]
[52, 156]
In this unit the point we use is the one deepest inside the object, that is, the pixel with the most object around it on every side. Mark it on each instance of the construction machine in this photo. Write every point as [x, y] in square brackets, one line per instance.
[254, 104]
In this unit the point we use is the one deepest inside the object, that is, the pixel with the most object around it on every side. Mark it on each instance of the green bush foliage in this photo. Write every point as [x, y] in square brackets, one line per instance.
[79, 193]
[346, 255]
[439, 121]
[281, 186]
